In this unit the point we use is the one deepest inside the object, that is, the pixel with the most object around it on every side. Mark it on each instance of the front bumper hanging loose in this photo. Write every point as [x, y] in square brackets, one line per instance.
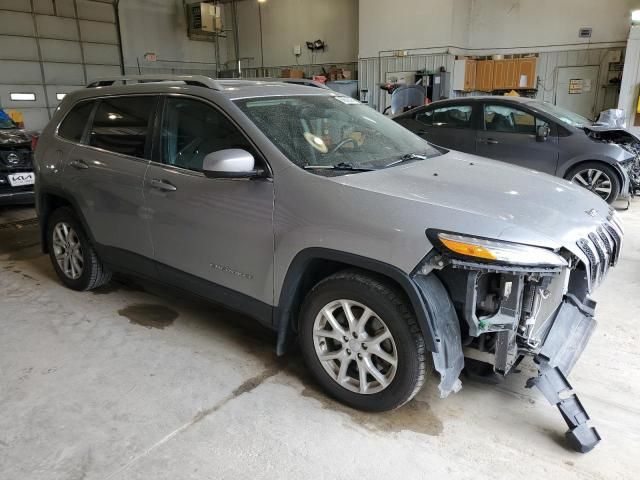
[570, 333]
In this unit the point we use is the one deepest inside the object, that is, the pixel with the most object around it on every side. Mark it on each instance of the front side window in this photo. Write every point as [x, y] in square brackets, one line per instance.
[73, 126]
[500, 118]
[122, 125]
[192, 129]
[330, 131]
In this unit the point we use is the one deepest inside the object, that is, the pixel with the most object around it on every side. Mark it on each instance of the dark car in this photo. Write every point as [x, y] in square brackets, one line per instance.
[535, 135]
[16, 163]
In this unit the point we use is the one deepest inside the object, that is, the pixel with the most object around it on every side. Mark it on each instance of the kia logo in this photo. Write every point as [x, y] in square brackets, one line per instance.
[13, 159]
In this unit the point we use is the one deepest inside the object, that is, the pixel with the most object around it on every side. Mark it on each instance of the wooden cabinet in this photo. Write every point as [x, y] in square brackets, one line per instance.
[464, 75]
[527, 72]
[484, 75]
[491, 75]
[505, 74]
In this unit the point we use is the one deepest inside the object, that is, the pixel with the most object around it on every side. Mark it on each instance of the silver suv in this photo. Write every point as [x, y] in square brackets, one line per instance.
[330, 223]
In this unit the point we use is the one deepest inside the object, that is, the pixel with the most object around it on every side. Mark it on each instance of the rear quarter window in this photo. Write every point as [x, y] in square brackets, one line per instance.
[73, 126]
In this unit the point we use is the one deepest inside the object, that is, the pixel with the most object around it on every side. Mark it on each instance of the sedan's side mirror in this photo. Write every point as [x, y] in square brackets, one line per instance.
[230, 163]
[542, 133]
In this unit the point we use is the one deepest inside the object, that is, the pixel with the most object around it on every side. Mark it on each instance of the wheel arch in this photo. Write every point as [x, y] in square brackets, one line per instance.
[613, 166]
[313, 264]
[49, 200]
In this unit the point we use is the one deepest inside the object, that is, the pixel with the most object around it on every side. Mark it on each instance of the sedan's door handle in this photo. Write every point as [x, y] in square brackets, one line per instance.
[79, 164]
[488, 141]
[163, 185]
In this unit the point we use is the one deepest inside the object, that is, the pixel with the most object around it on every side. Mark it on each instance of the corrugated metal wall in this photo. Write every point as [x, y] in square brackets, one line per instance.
[373, 72]
[50, 47]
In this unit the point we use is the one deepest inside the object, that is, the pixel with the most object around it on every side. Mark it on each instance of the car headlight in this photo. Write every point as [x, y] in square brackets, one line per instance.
[495, 251]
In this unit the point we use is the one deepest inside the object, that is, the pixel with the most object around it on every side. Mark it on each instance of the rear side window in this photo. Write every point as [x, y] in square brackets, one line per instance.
[122, 125]
[73, 125]
[457, 116]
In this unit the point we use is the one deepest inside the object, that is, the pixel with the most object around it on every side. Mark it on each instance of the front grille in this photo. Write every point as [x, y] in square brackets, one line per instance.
[16, 157]
[602, 249]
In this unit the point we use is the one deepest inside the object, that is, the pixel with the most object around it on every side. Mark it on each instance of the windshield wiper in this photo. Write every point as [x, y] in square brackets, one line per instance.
[338, 166]
[407, 157]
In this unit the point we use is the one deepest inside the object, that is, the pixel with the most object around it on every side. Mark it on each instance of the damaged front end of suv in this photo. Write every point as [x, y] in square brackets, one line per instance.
[512, 301]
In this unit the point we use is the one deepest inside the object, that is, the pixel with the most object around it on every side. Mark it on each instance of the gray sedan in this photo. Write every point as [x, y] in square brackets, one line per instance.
[531, 134]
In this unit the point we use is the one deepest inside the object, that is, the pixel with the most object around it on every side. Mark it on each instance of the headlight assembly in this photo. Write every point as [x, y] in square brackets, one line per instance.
[494, 251]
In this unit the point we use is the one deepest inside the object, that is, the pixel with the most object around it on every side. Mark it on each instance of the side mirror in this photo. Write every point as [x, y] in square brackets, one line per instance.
[230, 163]
[542, 133]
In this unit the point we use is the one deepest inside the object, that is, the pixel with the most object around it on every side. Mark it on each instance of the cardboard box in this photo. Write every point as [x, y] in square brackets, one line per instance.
[288, 73]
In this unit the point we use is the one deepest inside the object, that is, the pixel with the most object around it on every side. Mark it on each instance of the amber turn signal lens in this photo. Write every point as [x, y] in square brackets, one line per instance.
[468, 249]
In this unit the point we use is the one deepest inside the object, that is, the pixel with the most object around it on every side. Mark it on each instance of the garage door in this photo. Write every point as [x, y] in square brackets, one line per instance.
[51, 47]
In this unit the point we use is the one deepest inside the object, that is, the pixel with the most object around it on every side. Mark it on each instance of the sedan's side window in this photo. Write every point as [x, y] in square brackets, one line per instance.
[500, 118]
[122, 125]
[456, 116]
[192, 129]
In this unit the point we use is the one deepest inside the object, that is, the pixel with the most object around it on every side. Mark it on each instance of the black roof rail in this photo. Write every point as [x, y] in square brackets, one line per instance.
[196, 80]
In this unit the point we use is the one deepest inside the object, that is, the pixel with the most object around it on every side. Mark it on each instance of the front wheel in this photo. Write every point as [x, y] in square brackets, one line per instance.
[598, 178]
[360, 339]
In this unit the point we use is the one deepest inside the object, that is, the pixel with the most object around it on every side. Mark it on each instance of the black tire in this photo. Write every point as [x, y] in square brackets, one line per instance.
[94, 273]
[603, 168]
[391, 306]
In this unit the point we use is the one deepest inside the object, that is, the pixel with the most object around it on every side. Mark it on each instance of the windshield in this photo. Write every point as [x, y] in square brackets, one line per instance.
[335, 132]
[567, 116]
[5, 121]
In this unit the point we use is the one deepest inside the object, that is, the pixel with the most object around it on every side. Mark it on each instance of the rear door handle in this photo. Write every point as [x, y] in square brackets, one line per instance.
[79, 164]
[163, 185]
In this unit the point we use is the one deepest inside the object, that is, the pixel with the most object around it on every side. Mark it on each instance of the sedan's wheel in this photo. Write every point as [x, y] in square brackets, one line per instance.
[355, 346]
[68, 250]
[72, 254]
[598, 178]
[360, 339]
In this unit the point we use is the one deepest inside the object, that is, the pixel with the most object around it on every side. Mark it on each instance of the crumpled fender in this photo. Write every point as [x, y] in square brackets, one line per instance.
[449, 359]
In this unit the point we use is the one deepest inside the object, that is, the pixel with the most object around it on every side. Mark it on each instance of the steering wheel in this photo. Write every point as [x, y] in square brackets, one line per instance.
[342, 143]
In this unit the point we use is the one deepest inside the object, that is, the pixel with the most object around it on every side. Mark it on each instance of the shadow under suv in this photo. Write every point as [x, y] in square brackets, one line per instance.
[330, 223]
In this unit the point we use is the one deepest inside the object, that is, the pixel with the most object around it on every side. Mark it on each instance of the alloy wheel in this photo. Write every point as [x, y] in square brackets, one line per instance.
[355, 346]
[68, 250]
[594, 180]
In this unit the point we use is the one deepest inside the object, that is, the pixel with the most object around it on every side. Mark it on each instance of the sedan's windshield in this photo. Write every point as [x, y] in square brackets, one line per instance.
[333, 132]
[567, 116]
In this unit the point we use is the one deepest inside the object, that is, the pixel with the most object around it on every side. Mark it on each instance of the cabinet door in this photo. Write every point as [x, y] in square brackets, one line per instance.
[499, 68]
[484, 82]
[527, 66]
[511, 76]
[470, 75]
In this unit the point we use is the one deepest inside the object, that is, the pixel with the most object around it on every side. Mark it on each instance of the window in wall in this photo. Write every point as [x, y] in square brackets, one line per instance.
[122, 125]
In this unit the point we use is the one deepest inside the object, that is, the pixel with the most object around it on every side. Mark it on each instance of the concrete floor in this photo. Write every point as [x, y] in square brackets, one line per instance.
[135, 381]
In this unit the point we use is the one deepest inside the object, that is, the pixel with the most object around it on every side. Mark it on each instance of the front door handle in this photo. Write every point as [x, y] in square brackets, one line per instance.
[488, 141]
[163, 185]
[79, 164]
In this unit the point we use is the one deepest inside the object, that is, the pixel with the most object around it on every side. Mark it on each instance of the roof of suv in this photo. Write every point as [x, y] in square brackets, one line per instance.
[231, 88]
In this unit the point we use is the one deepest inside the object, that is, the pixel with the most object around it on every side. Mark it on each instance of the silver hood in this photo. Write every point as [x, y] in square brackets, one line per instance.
[477, 196]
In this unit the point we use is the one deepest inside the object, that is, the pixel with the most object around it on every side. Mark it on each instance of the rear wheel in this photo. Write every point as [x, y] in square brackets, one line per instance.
[361, 341]
[72, 255]
[598, 178]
